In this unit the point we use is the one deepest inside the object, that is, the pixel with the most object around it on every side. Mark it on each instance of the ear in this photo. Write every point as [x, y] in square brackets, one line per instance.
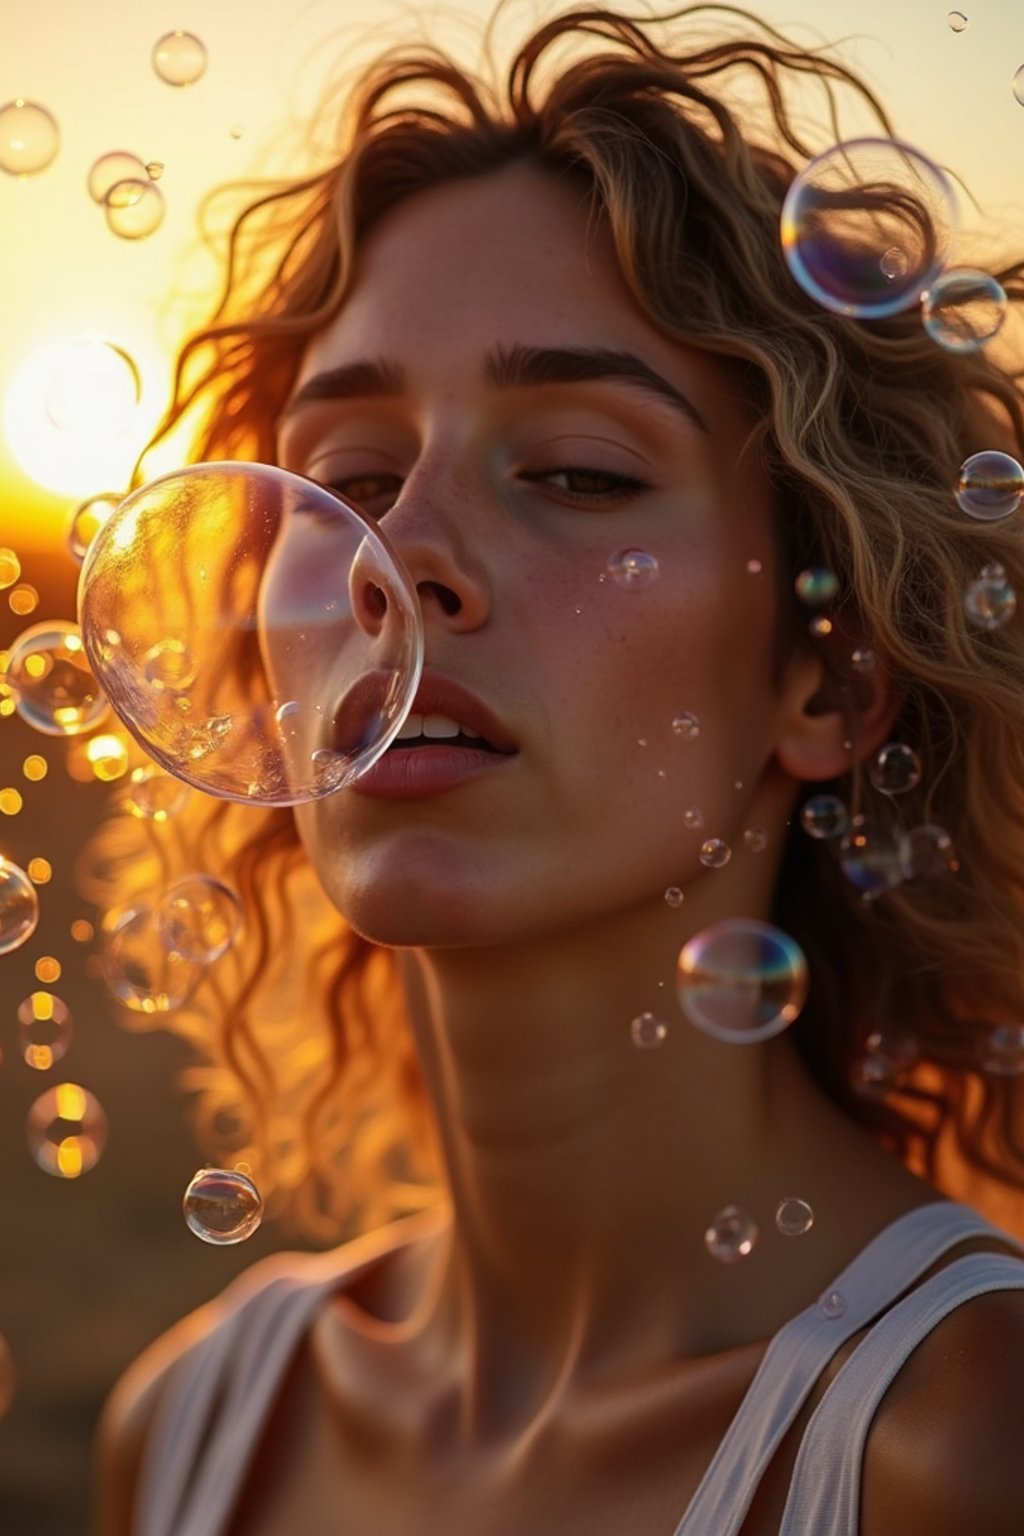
[834, 713]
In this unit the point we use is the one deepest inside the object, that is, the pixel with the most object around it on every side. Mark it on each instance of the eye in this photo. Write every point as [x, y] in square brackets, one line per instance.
[359, 488]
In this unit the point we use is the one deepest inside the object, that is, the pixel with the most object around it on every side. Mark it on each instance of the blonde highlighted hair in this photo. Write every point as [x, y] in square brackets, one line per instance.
[304, 1061]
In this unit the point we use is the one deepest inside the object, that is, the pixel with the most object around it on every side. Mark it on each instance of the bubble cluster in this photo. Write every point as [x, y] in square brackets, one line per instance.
[824, 816]
[851, 209]
[741, 980]
[963, 309]
[990, 485]
[1002, 1050]
[215, 594]
[54, 690]
[793, 1216]
[29, 137]
[990, 601]
[895, 768]
[816, 586]
[633, 568]
[732, 1235]
[648, 1031]
[222, 1206]
[45, 1029]
[200, 917]
[872, 857]
[19, 906]
[66, 1130]
[179, 58]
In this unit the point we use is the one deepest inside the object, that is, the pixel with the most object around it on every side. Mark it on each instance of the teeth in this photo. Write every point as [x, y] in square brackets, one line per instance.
[434, 727]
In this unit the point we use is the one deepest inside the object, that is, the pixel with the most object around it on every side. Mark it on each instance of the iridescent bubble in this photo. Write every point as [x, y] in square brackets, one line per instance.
[990, 601]
[45, 1029]
[673, 897]
[926, 852]
[793, 1216]
[871, 857]
[86, 521]
[686, 725]
[648, 1031]
[233, 587]
[990, 485]
[200, 917]
[222, 1205]
[741, 980]
[693, 818]
[816, 586]
[154, 795]
[179, 58]
[893, 263]
[134, 209]
[29, 137]
[109, 169]
[863, 659]
[54, 690]
[66, 1130]
[957, 21]
[633, 568]
[895, 768]
[1017, 85]
[141, 971]
[19, 906]
[824, 816]
[715, 853]
[731, 1235]
[755, 840]
[1002, 1050]
[963, 309]
[8, 1377]
[850, 208]
[832, 1303]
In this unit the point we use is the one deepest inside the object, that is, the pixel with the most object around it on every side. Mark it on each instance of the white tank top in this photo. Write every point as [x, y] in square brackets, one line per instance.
[218, 1397]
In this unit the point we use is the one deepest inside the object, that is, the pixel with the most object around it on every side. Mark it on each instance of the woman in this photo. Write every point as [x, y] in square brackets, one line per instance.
[528, 337]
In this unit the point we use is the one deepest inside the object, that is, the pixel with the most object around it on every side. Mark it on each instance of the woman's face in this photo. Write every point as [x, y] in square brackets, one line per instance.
[508, 502]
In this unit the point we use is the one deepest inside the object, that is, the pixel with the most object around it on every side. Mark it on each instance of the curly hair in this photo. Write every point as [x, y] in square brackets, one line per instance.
[687, 130]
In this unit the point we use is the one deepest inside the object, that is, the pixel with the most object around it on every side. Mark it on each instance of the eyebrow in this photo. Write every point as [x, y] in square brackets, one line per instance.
[504, 368]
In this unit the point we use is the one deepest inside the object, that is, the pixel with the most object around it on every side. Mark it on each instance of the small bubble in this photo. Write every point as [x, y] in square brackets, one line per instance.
[10, 568]
[754, 567]
[1018, 86]
[45, 1029]
[109, 169]
[755, 840]
[54, 689]
[67, 1131]
[863, 659]
[47, 969]
[29, 137]
[286, 710]
[179, 58]
[222, 1205]
[990, 601]
[154, 169]
[141, 971]
[647, 1031]
[236, 130]
[886, 1060]
[134, 209]
[957, 21]
[86, 521]
[927, 852]
[633, 568]
[715, 853]
[35, 767]
[674, 897]
[963, 309]
[641, 741]
[154, 795]
[990, 486]
[693, 818]
[82, 930]
[107, 756]
[731, 1235]
[895, 768]
[169, 664]
[871, 857]
[40, 871]
[686, 725]
[200, 918]
[832, 1303]
[893, 263]
[816, 586]
[1002, 1050]
[24, 599]
[793, 1216]
[741, 980]
[19, 906]
[819, 627]
[11, 802]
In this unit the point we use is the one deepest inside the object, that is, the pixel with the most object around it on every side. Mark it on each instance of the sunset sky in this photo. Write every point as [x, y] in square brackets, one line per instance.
[64, 275]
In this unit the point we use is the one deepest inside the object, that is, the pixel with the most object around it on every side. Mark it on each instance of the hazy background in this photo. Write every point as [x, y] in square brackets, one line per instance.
[92, 1269]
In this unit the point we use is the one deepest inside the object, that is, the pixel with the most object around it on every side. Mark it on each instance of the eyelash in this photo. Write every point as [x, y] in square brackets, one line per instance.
[624, 487]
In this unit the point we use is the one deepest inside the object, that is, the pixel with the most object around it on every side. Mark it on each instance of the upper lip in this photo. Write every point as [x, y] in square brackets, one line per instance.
[436, 695]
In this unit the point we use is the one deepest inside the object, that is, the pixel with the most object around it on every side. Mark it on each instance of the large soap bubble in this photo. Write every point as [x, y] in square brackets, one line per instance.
[867, 226]
[255, 633]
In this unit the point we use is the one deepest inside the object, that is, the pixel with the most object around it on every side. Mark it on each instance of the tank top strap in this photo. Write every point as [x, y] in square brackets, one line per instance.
[796, 1356]
[824, 1494]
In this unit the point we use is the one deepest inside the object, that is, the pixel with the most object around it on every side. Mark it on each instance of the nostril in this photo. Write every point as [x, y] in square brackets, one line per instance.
[448, 599]
[375, 602]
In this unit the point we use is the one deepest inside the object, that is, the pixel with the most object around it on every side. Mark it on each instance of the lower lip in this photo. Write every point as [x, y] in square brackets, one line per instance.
[405, 773]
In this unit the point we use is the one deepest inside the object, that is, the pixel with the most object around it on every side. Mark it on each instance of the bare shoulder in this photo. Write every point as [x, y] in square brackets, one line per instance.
[944, 1454]
[130, 1409]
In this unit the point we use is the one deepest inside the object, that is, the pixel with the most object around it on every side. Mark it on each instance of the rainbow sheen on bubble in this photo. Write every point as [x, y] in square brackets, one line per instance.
[741, 980]
[963, 309]
[854, 206]
[216, 596]
[990, 485]
[824, 816]
[633, 568]
[222, 1206]
[816, 586]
